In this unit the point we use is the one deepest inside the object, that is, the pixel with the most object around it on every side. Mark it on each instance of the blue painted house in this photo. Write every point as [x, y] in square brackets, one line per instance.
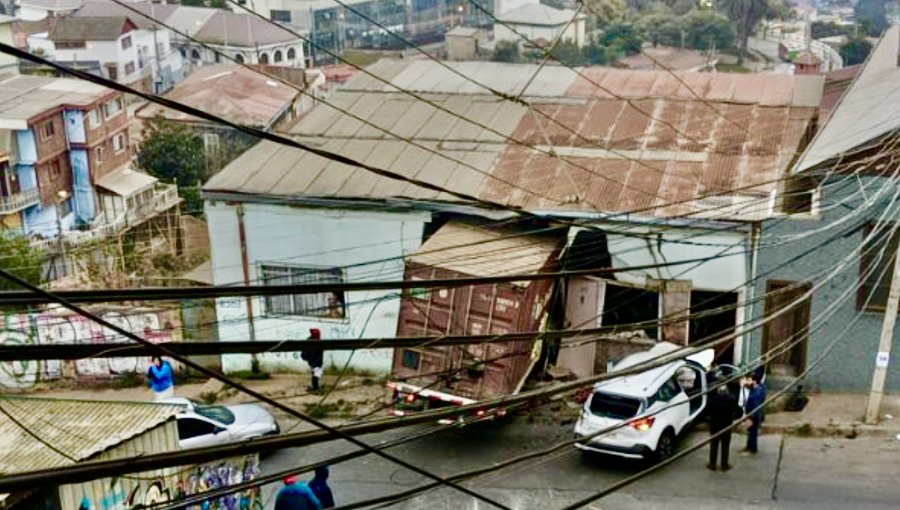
[824, 266]
[65, 159]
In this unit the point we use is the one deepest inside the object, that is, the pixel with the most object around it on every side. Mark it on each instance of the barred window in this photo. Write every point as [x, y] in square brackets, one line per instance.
[330, 305]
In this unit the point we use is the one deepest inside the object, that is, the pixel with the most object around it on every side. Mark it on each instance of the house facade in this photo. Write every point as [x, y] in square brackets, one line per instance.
[64, 147]
[828, 287]
[282, 215]
[36, 10]
[134, 53]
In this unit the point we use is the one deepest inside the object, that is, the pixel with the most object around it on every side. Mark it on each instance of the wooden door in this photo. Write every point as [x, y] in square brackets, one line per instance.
[790, 327]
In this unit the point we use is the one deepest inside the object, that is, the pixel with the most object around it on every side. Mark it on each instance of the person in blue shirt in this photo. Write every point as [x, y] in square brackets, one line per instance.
[753, 409]
[296, 495]
[161, 378]
[319, 486]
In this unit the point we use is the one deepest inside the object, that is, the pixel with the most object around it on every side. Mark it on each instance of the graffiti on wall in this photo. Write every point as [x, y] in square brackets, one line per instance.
[127, 493]
[49, 328]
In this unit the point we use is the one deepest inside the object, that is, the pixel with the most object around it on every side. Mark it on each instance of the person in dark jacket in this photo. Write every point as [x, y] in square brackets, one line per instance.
[753, 409]
[723, 410]
[315, 357]
[319, 486]
[161, 378]
[296, 495]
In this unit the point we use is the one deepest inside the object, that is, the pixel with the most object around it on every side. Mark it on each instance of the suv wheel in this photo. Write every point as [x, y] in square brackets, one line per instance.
[665, 448]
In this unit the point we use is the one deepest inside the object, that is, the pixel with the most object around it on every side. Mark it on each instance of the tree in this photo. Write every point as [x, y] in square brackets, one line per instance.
[745, 14]
[507, 51]
[172, 152]
[821, 29]
[623, 37]
[872, 15]
[703, 29]
[855, 51]
[567, 53]
[20, 258]
[660, 26]
[606, 12]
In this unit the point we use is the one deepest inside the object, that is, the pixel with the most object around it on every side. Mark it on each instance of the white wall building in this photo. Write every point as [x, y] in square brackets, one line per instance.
[116, 46]
[538, 21]
[36, 10]
[276, 243]
[8, 63]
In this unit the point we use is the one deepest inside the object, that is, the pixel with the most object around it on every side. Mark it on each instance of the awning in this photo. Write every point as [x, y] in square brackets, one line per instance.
[126, 182]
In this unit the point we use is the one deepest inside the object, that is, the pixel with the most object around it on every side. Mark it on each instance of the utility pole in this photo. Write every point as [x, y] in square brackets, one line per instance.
[873, 407]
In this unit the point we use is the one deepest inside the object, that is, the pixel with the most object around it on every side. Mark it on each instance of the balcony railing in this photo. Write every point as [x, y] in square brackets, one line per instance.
[164, 197]
[19, 201]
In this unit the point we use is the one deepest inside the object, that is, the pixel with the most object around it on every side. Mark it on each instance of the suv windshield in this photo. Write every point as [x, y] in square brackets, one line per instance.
[612, 406]
[218, 413]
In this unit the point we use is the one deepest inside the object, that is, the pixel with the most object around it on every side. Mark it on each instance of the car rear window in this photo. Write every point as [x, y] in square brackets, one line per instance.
[612, 406]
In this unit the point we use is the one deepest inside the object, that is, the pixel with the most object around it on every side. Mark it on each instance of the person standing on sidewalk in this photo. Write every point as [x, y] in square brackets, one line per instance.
[315, 357]
[319, 486]
[753, 409]
[296, 495]
[161, 378]
[723, 410]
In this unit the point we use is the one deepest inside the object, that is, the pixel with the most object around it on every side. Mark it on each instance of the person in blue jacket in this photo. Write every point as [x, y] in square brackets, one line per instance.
[753, 409]
[319, 486]
[161, 378]
[296, 495]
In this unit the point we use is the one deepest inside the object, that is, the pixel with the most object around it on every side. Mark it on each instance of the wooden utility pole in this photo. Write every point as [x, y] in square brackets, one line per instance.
[873, 407]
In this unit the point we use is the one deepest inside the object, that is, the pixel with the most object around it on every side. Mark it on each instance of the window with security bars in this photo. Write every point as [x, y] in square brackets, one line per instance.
[329, 305]
[876, 266]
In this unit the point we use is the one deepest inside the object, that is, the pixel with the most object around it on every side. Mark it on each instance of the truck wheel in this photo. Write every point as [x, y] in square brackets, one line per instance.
[665, 448]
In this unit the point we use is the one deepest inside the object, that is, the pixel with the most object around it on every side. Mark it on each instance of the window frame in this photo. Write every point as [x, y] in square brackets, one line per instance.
[126, 42]
[122, 144]
[119, 107]
[184, 419]
[883, 273]
[315, 306]
[130, 68]
[47, 130]
[99, 156]
[95, 118]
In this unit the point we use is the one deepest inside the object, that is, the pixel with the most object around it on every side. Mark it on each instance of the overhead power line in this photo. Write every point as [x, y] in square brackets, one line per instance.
[19, 298]
[119, 350]
[161, 350]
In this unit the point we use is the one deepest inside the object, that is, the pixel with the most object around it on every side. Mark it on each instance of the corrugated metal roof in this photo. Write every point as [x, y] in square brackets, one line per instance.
[628, 160]
[89, 28]
[474, 250]
[869, 109]
[78, 428]
[24, 96]
[230, 91]
[241, 29]
[126, 182]
[538, 14]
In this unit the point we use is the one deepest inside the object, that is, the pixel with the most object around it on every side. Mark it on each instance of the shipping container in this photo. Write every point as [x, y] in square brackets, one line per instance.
[432, 377]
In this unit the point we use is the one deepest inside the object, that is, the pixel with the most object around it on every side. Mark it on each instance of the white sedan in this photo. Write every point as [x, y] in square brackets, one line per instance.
[211, 425]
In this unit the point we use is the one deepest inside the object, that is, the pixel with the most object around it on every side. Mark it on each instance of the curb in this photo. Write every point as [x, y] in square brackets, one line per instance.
[851, 431]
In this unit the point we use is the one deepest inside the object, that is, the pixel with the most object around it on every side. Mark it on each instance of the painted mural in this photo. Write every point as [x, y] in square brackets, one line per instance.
[53, 327]
[126, 493]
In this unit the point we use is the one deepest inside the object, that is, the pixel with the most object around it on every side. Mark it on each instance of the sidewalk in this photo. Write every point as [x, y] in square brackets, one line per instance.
[836, 415]
[354, 396]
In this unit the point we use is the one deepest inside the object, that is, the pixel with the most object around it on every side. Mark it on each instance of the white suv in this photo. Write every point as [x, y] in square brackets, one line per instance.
[634, 398]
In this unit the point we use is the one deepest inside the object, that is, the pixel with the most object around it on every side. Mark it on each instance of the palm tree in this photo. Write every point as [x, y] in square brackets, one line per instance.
[745, 14]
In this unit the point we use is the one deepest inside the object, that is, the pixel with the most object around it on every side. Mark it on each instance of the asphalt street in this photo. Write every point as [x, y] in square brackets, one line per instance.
[789, 472]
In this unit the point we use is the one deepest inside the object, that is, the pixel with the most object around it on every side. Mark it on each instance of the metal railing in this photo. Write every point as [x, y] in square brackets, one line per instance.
[19, 201]
[164, 197]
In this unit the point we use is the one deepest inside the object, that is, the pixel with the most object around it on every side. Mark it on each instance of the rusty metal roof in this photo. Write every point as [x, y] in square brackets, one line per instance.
[78, 428]
[230, 91]
[475, 250]
[627, 160]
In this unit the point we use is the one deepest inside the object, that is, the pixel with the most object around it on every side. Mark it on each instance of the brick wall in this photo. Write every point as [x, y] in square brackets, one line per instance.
[50, 136]
[53, 176]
